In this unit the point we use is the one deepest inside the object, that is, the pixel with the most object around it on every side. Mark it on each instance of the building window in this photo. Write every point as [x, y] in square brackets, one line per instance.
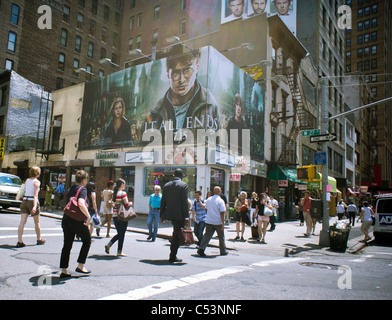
[89, 72]
[9, 64]
[59, 83]
[130, 44]
[156, 13]
[138, 42]
[90, 51]
[92, 27]
[66, 14]
[182, 27]
[78, 44]
[11, 41]
[80, 21]
[103, 53]
[106, 13]
[61, 62]
[131, 22]
[94, 7]
[15, 10]
[104, 34]
[138, 20]
[76, 67]
[64, 37]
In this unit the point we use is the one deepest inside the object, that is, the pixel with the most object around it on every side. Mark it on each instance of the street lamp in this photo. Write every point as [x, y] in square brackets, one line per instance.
[107, 60]
[245, 45]
[85, 71]
[140, 53]
[175, 40]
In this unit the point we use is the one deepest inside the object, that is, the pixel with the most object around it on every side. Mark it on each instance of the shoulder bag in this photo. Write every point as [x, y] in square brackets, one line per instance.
[21, 192]
[186, 237]
[126, 214]
[72, 208]
[267, 211]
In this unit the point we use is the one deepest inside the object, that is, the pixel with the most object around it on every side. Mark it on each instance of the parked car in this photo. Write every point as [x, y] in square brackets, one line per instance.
[383, 215]
[9, 187]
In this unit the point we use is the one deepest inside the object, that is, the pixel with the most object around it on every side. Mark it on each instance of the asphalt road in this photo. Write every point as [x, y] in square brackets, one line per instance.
[32, 273]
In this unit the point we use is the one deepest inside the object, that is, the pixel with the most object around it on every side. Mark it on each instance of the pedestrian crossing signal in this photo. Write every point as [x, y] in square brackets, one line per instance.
[306, 173]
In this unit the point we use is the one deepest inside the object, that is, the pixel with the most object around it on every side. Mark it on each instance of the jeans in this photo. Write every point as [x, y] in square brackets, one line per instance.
[351, 216]
[71, 228]
[153, 223]
[121, 227]
[199, 230]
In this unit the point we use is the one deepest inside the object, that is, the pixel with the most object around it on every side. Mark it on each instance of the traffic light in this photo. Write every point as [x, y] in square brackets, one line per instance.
[306, 173]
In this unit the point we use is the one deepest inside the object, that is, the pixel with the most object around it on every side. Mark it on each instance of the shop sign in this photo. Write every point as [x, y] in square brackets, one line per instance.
[235, 177]
[108, 159]
[139, 157]
[302, 187]
[283, 183]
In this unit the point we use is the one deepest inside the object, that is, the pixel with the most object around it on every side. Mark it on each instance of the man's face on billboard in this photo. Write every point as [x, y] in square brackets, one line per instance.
[259, 6]
[182, 77]
[282, 6]
[237, 7]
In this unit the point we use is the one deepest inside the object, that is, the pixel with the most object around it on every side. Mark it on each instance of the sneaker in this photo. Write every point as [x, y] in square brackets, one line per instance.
[107, 248]
[120, 254]
[201, 253]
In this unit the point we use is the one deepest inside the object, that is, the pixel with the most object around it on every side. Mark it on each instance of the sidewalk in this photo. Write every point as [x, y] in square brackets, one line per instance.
[286, 240]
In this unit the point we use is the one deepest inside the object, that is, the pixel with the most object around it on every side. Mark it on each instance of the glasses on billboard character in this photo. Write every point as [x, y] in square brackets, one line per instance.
[282, 7]
[237, 8]
[258, 6]
[118, 131]
[186, 104]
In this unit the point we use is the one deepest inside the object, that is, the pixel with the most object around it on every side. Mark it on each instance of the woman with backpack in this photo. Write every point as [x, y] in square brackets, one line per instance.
[120, 198]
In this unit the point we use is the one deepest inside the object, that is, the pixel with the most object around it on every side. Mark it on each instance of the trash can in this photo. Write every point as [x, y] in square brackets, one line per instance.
[338, 238]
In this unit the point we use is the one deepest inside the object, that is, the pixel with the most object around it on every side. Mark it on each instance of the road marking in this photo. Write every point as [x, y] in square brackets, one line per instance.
[26, 229]
[158, 288]
[32, 236]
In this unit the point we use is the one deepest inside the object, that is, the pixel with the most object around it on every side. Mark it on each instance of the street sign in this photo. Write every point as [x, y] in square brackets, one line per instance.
[323, 138]
[320, 158]
[309, 133]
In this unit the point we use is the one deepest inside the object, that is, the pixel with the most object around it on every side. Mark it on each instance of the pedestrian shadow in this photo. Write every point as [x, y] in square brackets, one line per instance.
[293, 249]
[102, 257]
[51, 279]
[8, 247]
[207, 256]
[162, 262]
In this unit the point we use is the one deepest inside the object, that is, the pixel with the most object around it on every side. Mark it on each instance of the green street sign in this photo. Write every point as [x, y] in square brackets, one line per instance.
[309, 133]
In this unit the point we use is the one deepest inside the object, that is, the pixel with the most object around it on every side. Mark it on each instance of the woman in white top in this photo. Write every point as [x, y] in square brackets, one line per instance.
[30, 205]
[366, 218]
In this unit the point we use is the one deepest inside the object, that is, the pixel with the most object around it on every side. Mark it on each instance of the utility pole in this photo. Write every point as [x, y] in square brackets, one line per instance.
[324, 234]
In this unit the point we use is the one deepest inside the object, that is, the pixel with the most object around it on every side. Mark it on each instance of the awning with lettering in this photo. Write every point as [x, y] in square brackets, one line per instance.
[279, 173]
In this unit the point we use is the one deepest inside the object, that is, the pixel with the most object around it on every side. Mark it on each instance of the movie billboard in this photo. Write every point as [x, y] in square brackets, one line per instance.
[200, 89]
[245, 9]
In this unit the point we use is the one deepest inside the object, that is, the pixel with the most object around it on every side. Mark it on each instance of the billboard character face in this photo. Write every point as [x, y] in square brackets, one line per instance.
[236, 7]
[259, 6]
[282, 6]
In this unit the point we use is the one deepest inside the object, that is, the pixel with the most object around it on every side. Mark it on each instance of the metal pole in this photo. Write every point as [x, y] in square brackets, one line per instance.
[324, 236]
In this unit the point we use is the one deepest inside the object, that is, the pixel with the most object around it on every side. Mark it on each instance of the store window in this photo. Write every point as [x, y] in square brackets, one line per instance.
[217, 178]
[128, 174]
[160, 176]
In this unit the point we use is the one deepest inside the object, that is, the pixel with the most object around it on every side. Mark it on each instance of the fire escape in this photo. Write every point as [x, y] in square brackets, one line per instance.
[303, 119]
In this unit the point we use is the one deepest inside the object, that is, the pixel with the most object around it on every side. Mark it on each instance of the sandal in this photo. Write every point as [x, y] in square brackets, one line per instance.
[41, 242]
[20, 245]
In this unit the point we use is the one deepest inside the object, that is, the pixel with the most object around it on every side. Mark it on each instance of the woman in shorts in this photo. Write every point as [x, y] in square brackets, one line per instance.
[262, 219]
[30, 206]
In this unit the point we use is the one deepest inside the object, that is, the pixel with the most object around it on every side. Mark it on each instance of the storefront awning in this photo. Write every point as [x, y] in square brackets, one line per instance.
[317, 185]
[279, 173]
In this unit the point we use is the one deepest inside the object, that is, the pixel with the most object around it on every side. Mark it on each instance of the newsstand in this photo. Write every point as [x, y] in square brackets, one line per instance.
[338, 237]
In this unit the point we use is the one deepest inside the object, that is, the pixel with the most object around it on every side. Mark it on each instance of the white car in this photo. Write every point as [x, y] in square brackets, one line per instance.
[383, 215]
[9, 187]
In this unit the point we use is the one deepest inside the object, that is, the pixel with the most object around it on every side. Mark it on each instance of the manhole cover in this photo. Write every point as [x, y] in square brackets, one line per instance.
[326, 266]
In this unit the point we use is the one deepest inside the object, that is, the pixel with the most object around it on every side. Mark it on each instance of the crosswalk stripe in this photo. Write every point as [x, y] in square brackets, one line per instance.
[158, 288]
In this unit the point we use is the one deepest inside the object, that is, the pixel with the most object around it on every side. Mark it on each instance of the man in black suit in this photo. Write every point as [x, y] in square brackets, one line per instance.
[174, 207]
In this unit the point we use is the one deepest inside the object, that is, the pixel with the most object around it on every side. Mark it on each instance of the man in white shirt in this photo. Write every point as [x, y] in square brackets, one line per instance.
[340, 210]
[275, 205]
[215, 221]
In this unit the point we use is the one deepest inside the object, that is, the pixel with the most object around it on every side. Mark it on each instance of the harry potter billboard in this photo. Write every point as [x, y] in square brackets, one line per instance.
[196, 90]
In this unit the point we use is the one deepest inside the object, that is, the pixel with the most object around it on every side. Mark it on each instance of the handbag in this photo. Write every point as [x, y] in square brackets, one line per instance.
[186, 237]
[126, 214]
[72, 208]
[267, 211]
[21, 192]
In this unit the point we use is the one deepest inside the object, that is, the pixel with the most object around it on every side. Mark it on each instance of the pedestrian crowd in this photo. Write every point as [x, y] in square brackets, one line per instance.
[171, 203]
